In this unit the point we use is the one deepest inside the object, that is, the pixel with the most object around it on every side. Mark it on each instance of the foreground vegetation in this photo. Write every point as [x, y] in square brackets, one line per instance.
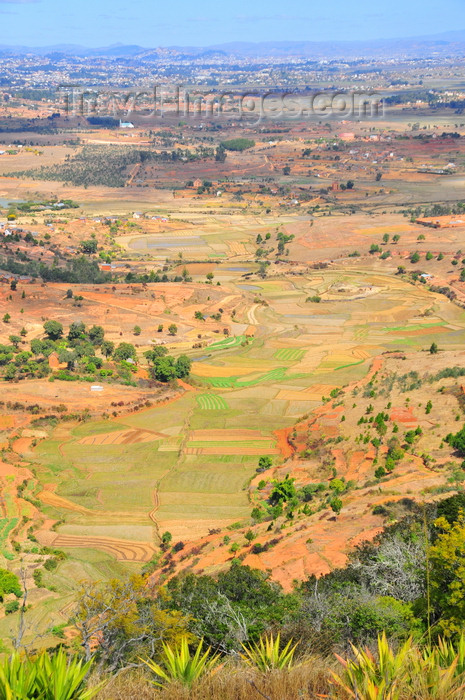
[390, 625]
[403, 673]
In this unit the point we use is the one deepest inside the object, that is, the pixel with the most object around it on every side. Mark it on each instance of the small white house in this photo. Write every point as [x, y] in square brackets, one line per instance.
[96, 387]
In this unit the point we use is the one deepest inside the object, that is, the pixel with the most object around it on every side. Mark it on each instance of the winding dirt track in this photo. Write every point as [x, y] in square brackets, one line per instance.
[252, 315]
[156, 505]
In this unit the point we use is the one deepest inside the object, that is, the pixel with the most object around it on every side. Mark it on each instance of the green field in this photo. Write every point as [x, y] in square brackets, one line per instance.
[289, 354]
[274, 375]
[222, 382]
[232, 342]
[412, 327]
[211, 402]
[6, 526]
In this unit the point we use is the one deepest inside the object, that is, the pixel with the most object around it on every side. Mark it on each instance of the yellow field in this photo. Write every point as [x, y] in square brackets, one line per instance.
[203, 370]
[312, 393]
[380, 230]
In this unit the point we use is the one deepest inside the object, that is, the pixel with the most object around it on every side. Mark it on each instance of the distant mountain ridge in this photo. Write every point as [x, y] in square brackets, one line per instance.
[447, 43]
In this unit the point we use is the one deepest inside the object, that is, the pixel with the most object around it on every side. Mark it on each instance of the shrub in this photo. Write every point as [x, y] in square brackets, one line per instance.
[9, 583]
[11, 607]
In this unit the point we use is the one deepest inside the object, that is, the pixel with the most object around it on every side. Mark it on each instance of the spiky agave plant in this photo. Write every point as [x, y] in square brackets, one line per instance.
[447, 652]
[18, 679]
[266, 654]
[428, 680]
[45, 677]
[367, 677]
[60, 677]
[179, 664]
[438, 673]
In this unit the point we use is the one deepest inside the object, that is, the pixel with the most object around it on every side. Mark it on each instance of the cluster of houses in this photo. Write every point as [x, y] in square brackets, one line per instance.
[9, 229]
[141, 215]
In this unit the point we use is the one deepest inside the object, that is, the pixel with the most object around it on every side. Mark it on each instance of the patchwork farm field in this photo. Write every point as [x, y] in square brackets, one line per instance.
[116, 485]
[271, 350]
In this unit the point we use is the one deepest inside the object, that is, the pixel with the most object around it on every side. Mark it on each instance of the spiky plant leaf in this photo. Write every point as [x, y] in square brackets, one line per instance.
[60, 677]
[18, 678]
[266, 654]
[178, 664]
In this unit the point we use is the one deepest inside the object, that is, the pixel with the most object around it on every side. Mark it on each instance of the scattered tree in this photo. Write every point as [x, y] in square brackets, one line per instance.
[53, 329]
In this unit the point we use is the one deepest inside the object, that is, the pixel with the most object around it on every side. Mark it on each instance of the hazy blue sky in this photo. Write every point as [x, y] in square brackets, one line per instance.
[202, 23]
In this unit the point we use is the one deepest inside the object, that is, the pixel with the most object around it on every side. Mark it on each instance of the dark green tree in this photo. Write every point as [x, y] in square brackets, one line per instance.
[107, 348]
[53, 329]
[89, 247]
[183, 366]
[164, 369]
[77, 331]
[124, 351]
[96, 335]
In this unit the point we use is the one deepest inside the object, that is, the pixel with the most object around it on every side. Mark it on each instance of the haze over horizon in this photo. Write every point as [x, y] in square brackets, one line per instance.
[48, 22]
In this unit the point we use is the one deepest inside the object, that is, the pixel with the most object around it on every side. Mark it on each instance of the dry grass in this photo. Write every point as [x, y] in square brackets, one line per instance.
[303, 682]
[308, 681]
